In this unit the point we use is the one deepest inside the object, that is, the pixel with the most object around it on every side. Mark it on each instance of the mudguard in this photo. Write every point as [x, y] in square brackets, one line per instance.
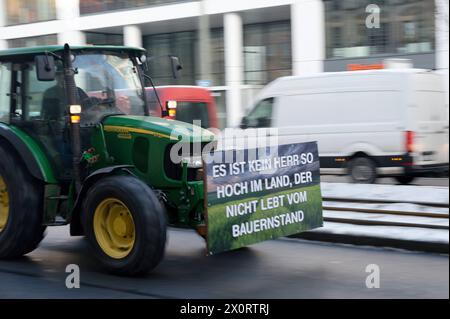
[76, 228]
[32, 155]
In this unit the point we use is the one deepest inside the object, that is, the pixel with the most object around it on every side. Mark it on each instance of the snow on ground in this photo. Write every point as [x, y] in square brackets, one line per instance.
[401, 193]
[399, 233]
[387, 218]
[403, 207]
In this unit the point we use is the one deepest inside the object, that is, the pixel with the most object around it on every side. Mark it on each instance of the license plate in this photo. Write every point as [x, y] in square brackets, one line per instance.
[428, 157]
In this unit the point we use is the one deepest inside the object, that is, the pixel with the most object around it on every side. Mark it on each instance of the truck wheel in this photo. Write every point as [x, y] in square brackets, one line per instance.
[362, 170]
[125, 224]
[21, 228]
[405, 179]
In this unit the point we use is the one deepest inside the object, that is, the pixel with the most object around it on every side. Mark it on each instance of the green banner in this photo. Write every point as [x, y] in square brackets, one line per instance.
[252, 197]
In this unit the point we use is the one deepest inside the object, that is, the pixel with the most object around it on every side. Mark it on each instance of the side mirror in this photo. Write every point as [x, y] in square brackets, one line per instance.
[45, 67]
[143, 59]
[176, 65]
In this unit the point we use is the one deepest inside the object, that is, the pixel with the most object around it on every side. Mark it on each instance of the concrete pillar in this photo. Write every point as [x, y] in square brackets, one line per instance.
[68, 11]
[72, 37]
[308, 36]
[132, 36]
[234, 66]
[204, 43]
[3, 42]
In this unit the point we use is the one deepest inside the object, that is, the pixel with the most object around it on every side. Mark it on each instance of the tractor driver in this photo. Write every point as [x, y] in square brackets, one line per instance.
[54, 101]
[53, 112]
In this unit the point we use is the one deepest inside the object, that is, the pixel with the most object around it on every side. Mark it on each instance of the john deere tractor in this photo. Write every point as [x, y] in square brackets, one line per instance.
[78, 148]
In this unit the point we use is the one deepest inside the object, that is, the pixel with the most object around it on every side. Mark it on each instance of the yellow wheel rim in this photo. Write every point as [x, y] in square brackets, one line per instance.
[4, 204]
[114, 228]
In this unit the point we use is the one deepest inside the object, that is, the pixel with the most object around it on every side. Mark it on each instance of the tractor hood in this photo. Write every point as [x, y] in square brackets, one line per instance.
[159, 127]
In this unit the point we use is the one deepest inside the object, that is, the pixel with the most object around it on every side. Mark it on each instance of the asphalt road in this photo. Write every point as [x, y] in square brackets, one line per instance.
[422, 181]
[285, 268]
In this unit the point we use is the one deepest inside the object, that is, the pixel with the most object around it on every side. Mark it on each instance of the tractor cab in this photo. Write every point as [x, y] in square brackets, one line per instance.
[106, 82]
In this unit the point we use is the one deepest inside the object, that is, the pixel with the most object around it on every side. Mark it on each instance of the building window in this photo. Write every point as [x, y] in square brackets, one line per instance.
[98, 6]
[97, 38]
[405, 27]
[217, 57]
[160, 46]
[28, 11]
[267, 52]
[185, 46]
[49, 39]
[378, 39]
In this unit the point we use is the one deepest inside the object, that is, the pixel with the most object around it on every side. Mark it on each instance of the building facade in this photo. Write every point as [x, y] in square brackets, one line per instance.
[236, 47]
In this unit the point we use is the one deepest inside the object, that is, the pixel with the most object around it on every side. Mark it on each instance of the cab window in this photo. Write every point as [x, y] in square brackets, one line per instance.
[5, 91]
[261, 115]
[41, 102]
[107, 84]
[36, 100]
[39, 108]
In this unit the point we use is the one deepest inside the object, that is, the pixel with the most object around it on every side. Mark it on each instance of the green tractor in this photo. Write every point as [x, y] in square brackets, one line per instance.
[78, 147]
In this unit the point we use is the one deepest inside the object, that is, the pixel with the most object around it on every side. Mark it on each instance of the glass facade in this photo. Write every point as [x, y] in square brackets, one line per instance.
[217, 57]
[267, 51]
[185, 46]
[160, 46]
[28, 11]
[98, 6]
[97, 38]
[33, 41]
[267, 54]
[406, 26]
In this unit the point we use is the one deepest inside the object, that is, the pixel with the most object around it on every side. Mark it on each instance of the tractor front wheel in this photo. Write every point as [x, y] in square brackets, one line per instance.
[125, 224]
[21, 197]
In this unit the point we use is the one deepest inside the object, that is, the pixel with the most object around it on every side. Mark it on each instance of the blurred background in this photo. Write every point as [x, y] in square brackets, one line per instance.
[234, 48]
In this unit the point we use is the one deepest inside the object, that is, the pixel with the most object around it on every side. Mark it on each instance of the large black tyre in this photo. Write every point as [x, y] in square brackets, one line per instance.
[126, 225]
[405, 179]
[362, 170]
[21, 207]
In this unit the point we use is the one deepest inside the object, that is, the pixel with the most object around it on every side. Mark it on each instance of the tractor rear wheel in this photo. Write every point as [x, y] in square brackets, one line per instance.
[21, 206]
[125, 224]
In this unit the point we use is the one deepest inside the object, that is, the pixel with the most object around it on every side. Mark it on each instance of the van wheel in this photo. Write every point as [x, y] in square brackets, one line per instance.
[125, 224]
[405, 179]
[21, 228]
[362, 170]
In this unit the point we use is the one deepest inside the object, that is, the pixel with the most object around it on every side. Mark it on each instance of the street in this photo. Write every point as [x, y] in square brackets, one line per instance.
[284, 268]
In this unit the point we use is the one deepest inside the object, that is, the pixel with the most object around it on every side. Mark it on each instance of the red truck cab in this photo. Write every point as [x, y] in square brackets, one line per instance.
[184, 103]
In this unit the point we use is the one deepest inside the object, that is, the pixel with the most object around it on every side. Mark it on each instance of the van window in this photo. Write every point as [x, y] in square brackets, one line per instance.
[5, 90]
[261, 115]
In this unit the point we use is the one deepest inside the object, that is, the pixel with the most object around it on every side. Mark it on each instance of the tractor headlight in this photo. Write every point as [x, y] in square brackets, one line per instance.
[75, 109]
[192, 161]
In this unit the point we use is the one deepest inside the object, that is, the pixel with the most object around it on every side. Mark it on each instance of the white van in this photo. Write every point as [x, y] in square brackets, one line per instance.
[366, 123]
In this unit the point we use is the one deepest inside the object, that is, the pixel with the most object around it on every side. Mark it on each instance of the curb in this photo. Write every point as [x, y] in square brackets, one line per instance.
[413, 245]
